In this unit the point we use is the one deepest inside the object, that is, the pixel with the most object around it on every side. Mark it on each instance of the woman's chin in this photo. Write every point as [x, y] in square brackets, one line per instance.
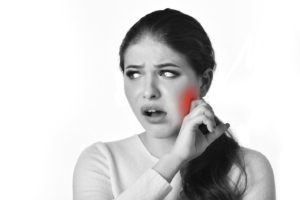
[161, 132]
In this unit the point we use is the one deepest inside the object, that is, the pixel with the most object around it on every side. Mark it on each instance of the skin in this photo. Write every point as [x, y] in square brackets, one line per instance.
[177, 140]
[166, 89]
[177, 89]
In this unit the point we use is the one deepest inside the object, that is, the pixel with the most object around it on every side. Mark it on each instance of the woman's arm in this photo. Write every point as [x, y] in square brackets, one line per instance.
[260, 177]
[91, 178]
[168, 166]
[92, 181]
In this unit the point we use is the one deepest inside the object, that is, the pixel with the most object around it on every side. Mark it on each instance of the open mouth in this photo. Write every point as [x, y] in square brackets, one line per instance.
[153, 113]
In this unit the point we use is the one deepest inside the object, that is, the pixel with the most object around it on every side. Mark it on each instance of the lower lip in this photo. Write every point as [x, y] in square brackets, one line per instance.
[155, 119]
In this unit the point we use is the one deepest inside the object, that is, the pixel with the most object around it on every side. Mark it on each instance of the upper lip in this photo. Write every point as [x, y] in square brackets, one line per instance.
[151, 107]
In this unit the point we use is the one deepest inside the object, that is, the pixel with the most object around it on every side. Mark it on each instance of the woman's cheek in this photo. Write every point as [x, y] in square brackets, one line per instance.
[187, 96]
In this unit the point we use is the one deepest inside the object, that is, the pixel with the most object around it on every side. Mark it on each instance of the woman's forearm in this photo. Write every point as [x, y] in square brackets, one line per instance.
[168, 166]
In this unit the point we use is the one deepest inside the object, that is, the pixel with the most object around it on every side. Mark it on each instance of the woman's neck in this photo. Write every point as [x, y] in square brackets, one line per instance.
[157, 147]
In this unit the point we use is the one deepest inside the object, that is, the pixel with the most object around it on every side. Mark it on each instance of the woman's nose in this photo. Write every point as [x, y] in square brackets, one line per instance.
[151, 90]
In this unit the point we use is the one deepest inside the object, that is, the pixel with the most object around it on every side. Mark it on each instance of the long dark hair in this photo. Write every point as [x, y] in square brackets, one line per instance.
[205, 177]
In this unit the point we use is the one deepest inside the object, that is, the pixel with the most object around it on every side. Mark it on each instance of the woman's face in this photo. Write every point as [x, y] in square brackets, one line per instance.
[159, 85]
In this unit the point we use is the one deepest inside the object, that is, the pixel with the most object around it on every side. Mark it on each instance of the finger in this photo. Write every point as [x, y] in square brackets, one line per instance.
[219, 130]
[197, 102]
[203, 101]
[194, 104]
[205, 104]
[202, 119]
[200, 102]
[203, 111]
[208, 107]
[210, 123]
[200, 107]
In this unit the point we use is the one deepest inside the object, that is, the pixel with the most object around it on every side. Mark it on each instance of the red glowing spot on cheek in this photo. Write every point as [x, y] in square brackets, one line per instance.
[187, 96]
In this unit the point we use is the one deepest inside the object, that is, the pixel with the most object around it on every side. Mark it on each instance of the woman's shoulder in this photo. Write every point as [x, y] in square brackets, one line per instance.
[101, 152]
[256, 162]
[102, 145]
[259, 172]
[110, 148]
[252, 156]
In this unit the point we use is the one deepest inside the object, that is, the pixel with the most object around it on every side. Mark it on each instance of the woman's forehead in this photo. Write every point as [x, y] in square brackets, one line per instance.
[149, 50]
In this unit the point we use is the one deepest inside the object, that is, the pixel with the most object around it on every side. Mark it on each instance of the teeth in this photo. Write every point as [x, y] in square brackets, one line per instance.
[152, 110]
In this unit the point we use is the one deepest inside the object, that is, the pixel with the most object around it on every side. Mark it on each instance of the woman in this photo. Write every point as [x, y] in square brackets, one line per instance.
[186, 152]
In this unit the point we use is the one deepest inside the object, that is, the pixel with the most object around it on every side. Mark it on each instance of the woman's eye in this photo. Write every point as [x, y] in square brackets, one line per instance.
[132, 74]
[169, 74]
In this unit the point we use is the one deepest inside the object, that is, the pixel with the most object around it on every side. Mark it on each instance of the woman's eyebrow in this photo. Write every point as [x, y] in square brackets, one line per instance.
[134, 66]
[167, 65]
[157, 66]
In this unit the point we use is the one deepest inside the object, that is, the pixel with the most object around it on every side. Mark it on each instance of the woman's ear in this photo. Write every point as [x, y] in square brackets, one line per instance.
[205, 81]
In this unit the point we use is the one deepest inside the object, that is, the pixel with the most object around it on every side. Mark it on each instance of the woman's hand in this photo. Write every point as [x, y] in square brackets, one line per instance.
[191, 142]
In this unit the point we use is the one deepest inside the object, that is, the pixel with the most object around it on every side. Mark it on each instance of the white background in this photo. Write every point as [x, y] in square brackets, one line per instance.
[61, 89]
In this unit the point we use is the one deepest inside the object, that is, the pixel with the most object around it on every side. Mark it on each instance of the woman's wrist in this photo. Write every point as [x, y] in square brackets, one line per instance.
[168, 166]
